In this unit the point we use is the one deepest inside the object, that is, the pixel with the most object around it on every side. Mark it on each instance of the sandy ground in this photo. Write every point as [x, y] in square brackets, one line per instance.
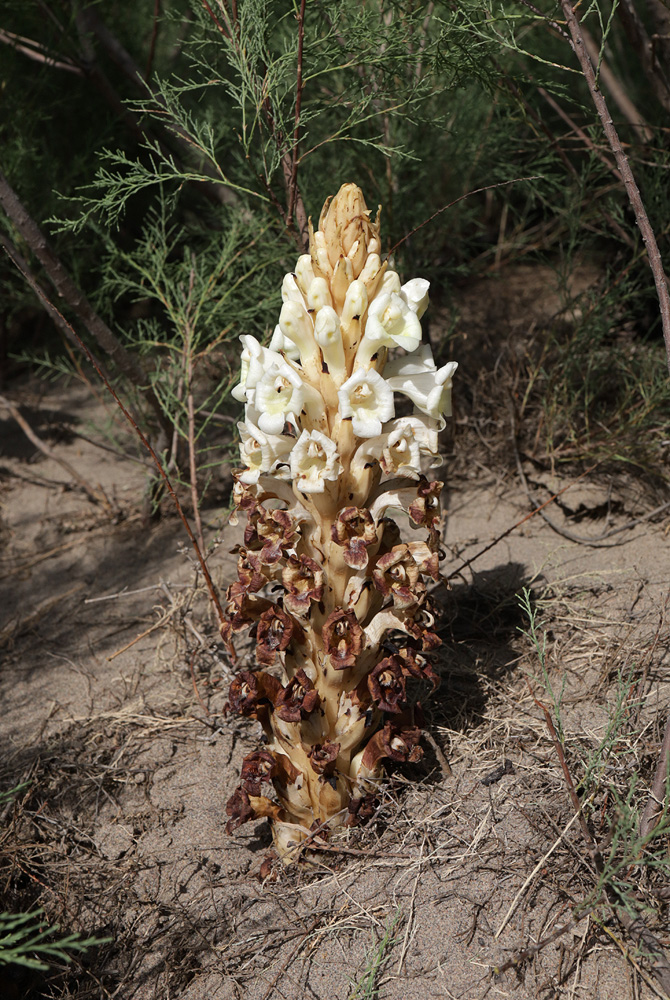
[113, 686]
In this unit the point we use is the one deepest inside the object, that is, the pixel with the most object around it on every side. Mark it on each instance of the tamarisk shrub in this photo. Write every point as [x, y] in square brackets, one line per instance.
[337, 600]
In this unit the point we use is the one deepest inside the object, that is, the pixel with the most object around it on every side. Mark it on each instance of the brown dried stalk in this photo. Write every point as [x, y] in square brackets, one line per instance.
[214, 597]
[632, 190]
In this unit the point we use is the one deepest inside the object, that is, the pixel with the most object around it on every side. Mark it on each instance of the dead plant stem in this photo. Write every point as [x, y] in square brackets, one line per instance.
[632, 190]
[657, 795]
[76, 300]
[97, 496]
[159, 466]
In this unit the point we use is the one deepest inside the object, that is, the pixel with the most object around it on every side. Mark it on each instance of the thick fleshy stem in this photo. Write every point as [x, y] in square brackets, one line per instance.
[337, 598]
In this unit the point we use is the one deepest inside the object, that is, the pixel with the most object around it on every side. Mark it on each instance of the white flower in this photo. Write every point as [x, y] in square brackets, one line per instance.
[390, 323]
[318, 294]
[255, 359]
[304, 272]
[262, 453]
[290, 292]
[371, 269]
[390, 282]
[278, 393]
[328, 335]
[367, 399]
[296, 326]
[314, 460]
[417, 363]
[398, 450]
[415, 294]
[428, 388]
[279, 342]
[355, 303]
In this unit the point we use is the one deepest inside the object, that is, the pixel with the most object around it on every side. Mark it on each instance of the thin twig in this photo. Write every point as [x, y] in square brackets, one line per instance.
[598, 541]
[526, 953]
[619, 95]
[96, 496]
[154, 36]
[293, 183]
[635, 925]
[75, 298]
[37, 52]
[632, 190]
[538, 866]
[468, 194]
[499, 538]
[657, 795]
[193, 472]
[159, 466]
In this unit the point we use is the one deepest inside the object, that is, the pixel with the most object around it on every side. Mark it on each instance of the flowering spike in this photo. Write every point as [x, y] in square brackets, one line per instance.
[336, 593]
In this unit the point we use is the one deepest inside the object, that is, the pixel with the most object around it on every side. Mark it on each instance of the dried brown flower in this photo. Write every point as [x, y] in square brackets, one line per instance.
[397, 575]
[387, 685]
[297, 699]
[355, 531]
[275, 631]
[257, 767]
[303, 580]
[342, 638]
[323, 757]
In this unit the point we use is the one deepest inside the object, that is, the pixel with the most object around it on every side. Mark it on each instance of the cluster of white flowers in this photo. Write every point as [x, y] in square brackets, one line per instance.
[325, 367]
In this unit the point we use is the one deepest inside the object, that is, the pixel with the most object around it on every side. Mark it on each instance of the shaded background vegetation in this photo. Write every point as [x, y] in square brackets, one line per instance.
[172, 155]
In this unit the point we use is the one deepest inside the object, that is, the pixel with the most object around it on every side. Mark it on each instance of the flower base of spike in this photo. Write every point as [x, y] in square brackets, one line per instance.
[337, 600]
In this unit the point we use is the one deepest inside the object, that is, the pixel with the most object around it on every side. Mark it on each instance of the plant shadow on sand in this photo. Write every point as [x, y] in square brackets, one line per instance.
[478, 623]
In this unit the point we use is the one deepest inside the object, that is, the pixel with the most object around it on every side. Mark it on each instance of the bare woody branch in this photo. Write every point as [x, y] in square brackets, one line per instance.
[77, 301]
[632, 190]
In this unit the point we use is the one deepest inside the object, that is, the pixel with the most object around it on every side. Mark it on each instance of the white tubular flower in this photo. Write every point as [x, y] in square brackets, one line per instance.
[398, 450]
[355, 302]
[390, 323]
[415, 294]
[255, 359]
[328, 335]
[321, 251]
[420, 362]
[314, 460]
[318, 294]
[280, 343]
[428, 388]
[297, 327]
[367, 399]
[262, 453]
[290, 292]
[304, 272]
[391, 282]
[371, 268]
[278, 393]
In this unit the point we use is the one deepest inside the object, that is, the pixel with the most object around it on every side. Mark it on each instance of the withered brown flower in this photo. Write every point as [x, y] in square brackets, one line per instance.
[242, 608]
[303, 581]
[257, 767]
[297, 699]
[355, 531]
[275, 631]
[342, 638]
[425, 510]
[241, 807]
[248, 690]
[361, 809]
[269, 533]
[399, 743]
[323, 757]
[249, 570]
[397, 575]
[387, 684]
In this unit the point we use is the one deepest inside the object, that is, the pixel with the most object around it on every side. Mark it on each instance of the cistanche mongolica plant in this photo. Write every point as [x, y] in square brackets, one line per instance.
[336, 596]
